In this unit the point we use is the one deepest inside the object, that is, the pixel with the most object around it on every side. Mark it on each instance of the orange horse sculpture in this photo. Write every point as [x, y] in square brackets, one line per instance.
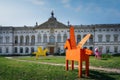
[76, 53]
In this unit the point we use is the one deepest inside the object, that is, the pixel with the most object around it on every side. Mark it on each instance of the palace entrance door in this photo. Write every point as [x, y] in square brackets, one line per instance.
[51, 50]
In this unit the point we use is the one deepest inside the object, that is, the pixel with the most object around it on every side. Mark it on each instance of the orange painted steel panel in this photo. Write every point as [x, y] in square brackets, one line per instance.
[72, 38]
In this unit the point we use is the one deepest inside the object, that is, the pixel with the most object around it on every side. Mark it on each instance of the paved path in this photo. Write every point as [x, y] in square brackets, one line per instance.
[54, 64]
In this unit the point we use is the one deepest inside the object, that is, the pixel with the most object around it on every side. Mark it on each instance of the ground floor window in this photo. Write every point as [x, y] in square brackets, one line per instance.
[107, 49]
[16, 50]
[26, 50]
[91, 48]
[7, 50]
[115, 49]
[32, 49]
[0, 49]
[21, 50]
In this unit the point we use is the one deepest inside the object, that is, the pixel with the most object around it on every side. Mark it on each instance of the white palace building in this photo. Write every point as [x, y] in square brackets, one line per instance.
[52, 34]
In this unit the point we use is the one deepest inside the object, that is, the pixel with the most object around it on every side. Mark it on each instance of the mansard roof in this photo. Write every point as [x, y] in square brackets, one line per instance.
[51, 23]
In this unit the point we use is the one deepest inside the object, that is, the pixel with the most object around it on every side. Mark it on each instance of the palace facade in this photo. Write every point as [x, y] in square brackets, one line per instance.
[52, 34]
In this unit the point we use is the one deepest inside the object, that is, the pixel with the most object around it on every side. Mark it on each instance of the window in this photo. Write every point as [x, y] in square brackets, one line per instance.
[52, 39]
[100, 30]
[107, 49]
[32, 49]
[91, 48]
[78, 38]
[26, 50]
[7, 50]
[0, 49]
[58, 38]
[100, 49]
[16, 39]
[83, 37]
[21, 39]
[45, 38]
[91, 39]
[27, 40]
[107, 38]
[115, 49]
[64, 37]
[107, 29]
[1, 39]
[100, 38]
[39, 38]
[16, 50]
[116, 38]
[7, 39]
[32, 39]
[21, 50]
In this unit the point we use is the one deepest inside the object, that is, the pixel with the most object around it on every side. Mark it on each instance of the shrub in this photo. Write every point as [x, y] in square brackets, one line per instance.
[106, 55]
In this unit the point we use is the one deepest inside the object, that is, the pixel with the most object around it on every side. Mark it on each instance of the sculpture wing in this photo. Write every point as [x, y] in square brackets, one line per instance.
[72, 38]
[83, 41]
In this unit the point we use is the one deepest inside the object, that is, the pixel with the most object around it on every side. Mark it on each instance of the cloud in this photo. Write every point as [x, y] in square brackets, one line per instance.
[38, 2]
[66, 3]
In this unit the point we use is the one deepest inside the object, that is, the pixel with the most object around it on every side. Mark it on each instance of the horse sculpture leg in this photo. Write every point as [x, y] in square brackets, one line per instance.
[67, 65]
[72, 65]
[79, 68]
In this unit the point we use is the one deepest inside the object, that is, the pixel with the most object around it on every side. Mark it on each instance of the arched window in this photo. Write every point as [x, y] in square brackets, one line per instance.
[45, 38]
[64, 37]
[21, 39]
[32, 49]
[91, 48]
[21, 50]
[83, 37]
[16, 39]
[26, 50]
[78, 38]
[91, 39]
[1, 39]
[52, 39]
[39, 38]
[27, 40]
[32, 39]
[58, 38]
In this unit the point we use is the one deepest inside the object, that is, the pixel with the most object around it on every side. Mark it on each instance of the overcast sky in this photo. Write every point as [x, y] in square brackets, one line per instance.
[28, 12]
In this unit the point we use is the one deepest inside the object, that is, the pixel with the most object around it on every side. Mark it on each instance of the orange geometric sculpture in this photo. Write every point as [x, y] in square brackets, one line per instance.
[76, 53]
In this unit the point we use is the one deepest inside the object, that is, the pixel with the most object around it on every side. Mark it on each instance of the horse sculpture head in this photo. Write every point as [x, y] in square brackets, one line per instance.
[88, 51]
[67, 44]
[46, 50]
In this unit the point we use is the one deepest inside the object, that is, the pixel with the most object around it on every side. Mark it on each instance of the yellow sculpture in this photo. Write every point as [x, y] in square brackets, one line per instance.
[40, 52]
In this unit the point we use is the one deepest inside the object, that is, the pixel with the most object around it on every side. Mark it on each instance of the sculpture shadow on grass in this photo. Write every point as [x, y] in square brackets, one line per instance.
[98, 75]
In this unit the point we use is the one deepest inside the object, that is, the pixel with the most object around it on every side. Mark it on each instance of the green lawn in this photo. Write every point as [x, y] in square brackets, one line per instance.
[14, 70]
[112, 62]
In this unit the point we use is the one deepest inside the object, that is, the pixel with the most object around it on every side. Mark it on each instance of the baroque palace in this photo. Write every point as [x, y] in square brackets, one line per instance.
[52, 34]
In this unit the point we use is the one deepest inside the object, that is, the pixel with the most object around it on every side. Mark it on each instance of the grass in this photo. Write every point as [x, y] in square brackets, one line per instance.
[106, 62]
[14, 70]
[110, 62]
